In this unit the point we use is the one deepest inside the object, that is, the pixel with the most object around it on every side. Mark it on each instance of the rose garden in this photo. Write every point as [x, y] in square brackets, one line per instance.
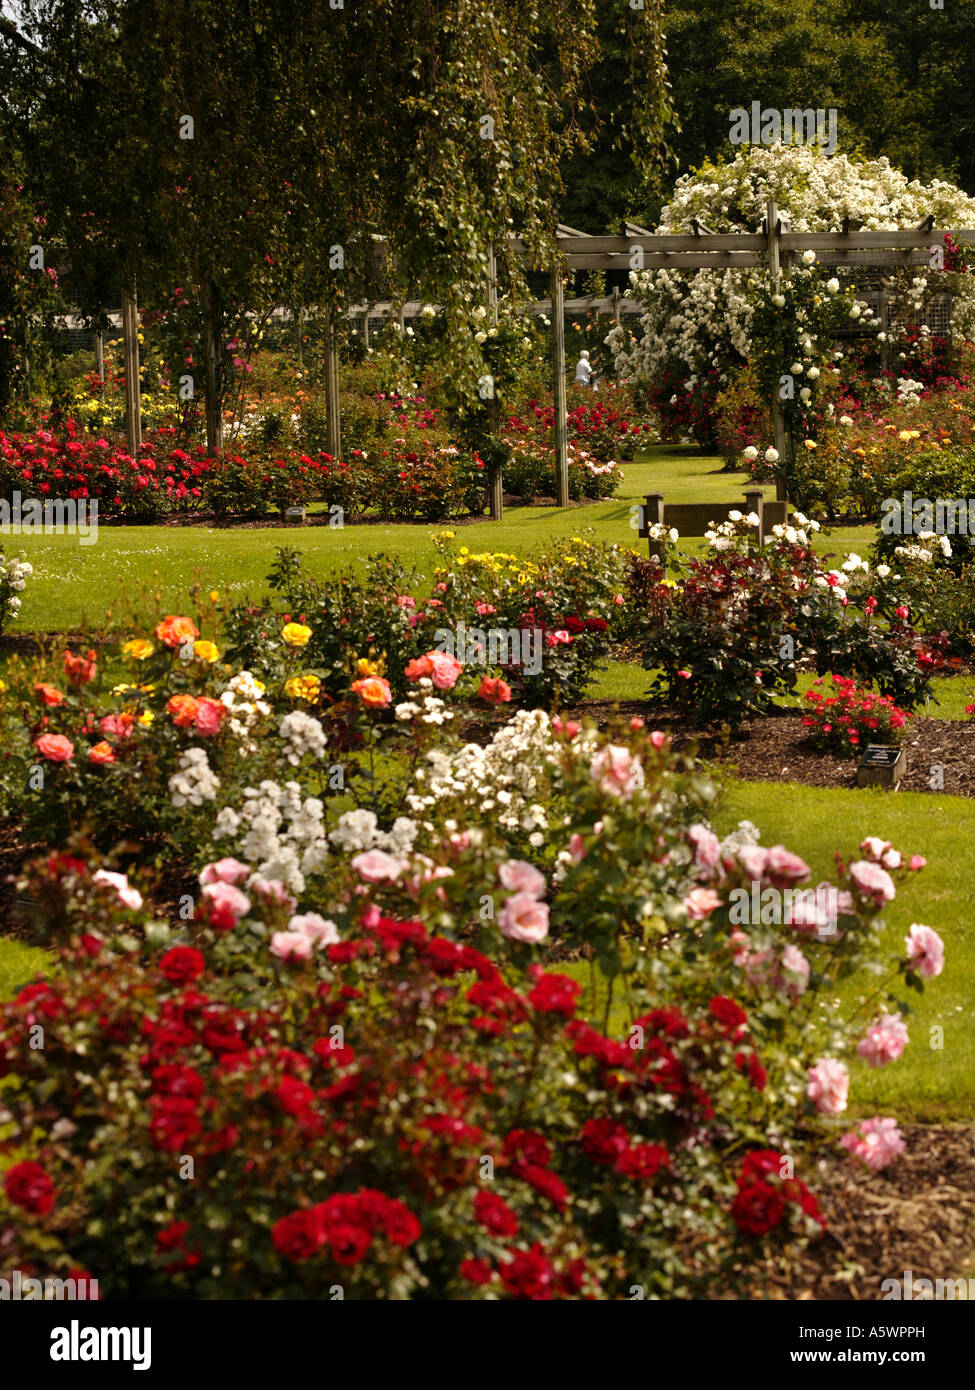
[413, 887]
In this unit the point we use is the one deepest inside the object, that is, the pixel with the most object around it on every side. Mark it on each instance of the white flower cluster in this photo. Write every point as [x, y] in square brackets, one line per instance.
[909, 391]
[703, 318]
[279, 831]
[285, 834]
[511, 775]
[243, 698]
[797, 532]
[922, 552]
[14, 574]
[194, 781]
[358, 831]
[744, 835]
[301, 735]
[432, 711]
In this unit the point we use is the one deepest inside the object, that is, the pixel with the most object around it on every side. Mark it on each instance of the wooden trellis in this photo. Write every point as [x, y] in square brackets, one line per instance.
[774, 246]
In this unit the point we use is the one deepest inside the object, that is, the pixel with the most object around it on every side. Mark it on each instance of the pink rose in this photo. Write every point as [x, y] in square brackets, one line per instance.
[753, 859]
[784, 868]
[519, 877]
[876, 1144]
[829, 1086]
[701, 902]
[917, 861]
[55, 747]
[658, 739]
[291, 945]
[795, 967]
[224, 871]
[524, 918]
[873, 847]
[318, 931]
[209, 713]
[577, 848]
[925, 950]
[617, 771]
[375, 866]
[707, 849]
[444, 670]
[884, 1040]
[873, 882]
[272, 892]
[129, 896]
[484, 609]
[226, 904]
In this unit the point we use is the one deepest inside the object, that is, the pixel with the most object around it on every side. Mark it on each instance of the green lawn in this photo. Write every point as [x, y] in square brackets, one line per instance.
[104, 584]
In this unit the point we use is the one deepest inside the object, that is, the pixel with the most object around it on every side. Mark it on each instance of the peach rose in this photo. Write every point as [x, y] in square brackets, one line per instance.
[174, 631]
[55, 747]
[183, 708]
[373, 691]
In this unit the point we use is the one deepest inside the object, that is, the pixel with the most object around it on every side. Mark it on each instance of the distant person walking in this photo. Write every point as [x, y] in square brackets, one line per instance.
[584, 369]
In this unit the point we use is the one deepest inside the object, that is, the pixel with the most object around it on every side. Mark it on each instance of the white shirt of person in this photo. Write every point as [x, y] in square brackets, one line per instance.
[584, 369]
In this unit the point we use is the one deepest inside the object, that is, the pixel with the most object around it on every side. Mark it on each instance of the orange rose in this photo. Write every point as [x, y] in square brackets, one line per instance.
[174, 632]
[49, 694]
[183, 708]
[101, 753]
[80, 669]
[419, 667]
[374, 691]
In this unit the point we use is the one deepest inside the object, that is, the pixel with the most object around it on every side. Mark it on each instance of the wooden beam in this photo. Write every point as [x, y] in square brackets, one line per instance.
[862, 241]
[778, 415]
[558, 384]
[133, 394]
[496, 491]
[333, 408]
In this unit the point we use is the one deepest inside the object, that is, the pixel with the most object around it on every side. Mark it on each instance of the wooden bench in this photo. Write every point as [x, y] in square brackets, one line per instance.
[694, 518]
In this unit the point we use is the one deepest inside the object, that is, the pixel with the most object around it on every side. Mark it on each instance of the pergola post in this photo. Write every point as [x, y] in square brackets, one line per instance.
[333, 421]
[558, 383]
[100, 354]
[133, 395]
[778, 414]
[496, 493]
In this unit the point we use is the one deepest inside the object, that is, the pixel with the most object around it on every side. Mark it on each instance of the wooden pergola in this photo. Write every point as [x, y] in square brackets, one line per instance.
[774, 246]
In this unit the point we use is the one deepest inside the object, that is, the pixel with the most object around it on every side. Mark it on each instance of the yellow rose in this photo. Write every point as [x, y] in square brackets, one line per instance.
[205, 651]
[296, 634]
[810, 443]
[214, 596]
[3, 686]
[303, 688]
[364, 667]
[904, 436]
[146, 717]
[138, 649]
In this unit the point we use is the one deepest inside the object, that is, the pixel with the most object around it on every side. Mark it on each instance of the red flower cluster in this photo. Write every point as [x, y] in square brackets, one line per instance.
[346, 1224]
[851, 715]
[764, 1194]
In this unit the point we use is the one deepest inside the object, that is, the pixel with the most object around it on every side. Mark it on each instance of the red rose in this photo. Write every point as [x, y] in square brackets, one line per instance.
[495, 1215]
[300, 1235]
[174, 1123]
[758, 1207]
[604, 1141]
[727, 1013]
[28, 1186]
[349, 1243]
[476, 1271]
[181, 964]
[556, 994]
[643, 1161]
[528, 1274]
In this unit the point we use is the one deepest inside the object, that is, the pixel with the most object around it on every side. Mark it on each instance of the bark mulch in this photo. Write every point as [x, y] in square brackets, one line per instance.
[917, 1215]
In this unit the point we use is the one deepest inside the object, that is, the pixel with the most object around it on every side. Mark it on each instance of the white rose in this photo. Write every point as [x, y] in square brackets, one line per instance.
[833, 285]
[808, 257]
[771, 455]
[750, 454]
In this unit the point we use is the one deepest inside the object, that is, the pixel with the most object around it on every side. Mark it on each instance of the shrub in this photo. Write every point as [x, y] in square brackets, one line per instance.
[850, 717]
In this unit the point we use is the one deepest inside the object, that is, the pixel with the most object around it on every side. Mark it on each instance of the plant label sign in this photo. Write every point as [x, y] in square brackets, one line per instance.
[881, 765]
